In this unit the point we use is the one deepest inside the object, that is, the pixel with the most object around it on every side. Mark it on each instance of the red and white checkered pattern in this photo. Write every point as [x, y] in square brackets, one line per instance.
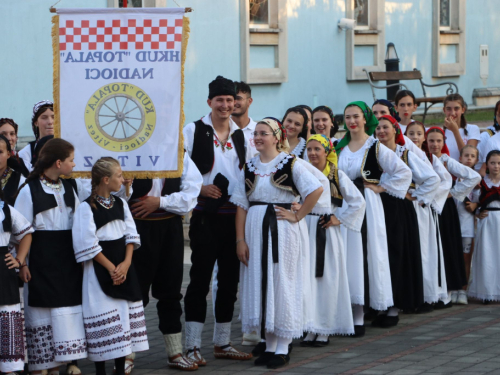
[112, 34]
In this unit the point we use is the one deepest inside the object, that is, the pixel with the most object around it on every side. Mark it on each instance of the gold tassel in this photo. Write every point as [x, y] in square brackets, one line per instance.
[55, 79]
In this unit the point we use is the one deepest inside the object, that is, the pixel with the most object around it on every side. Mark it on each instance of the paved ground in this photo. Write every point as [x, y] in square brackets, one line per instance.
[460, 340]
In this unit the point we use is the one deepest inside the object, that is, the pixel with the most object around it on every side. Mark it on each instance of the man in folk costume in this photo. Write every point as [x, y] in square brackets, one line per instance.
[240, 115]
[217, 146]
[158, 206]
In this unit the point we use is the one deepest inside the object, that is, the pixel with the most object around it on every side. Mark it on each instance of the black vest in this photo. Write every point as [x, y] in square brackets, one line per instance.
[406, 160]
[43, 201]
[32, 149]
[103, 216]
[282, 178]
[143, 186]
[370, 168]
[203, 146]
[11, 187]
[336, 195]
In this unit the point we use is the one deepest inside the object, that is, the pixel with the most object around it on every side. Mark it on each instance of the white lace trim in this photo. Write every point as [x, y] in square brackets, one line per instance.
[222, 334]
[436, 207]
[393, 192]
[284, 158]
[381, 306]
[358, 300]
[484, 297]
[328, 332]
[239, 204]
[432, 299]
[420, 199]
[490, 183]
[299, 148]
[348, 224]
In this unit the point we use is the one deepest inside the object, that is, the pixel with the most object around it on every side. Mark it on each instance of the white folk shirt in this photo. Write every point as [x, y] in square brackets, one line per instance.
[226, 161]
[248, 132]
[473, 132]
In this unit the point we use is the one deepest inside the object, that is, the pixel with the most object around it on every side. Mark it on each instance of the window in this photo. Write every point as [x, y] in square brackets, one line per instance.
[137, 3]
[263, 38]
[448, 38]
[130, 3]
[365, 45]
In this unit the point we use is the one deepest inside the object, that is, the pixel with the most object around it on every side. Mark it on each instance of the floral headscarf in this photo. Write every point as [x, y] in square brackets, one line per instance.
[400, 139]
[371, 124]
[279, 132]
[331, 155]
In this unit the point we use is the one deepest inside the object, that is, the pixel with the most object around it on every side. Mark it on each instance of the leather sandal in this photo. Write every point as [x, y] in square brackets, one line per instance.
[194, 356]
[230, 352]
[181, 362]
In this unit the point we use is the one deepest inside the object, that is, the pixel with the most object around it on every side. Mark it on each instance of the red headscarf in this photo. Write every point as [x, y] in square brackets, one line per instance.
[444, 150]
[400, 139]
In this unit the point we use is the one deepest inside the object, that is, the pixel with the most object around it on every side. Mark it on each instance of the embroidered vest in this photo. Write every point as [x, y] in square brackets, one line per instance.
[333, 177]
[370, 169]
[203, 146]
[103, 216]
[43, 201]
[10, 188]
[404, 157]
[282, 178]
[491, 132]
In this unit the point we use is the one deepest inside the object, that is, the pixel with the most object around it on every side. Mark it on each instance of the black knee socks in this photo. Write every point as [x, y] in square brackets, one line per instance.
[100, 368]
[120, 366]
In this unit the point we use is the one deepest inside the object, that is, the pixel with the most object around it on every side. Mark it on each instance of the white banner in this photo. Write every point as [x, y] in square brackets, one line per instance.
[118, 82]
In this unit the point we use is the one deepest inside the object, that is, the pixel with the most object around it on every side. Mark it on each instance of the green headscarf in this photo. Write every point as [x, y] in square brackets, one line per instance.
[371, 124]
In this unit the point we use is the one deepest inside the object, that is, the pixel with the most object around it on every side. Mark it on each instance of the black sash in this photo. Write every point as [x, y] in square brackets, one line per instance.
[203, 146]
[269, 223]
[115, 251]
[320, 245]
[56, 277]
[9, 290]
[359, 183]
[438, 241]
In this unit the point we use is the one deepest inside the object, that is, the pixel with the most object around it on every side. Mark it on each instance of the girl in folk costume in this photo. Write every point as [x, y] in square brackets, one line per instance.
[42, 123]
[448, 219]
[428, 227]
[8, 128]
[268, 241]
[53, 296]
[295, 123]
[486, 259]
[485, 146]
[324, 122]
[466, 211]
[14, 228]
[308, 110]
[331, 302]
[458, 133]
[362, 158]
[405, 105]
[402, 225]
[104, 238]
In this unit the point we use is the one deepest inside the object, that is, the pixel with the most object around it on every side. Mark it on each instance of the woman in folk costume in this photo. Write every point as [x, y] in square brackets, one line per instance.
[363, 159]
[53, 309]
[324, 122]
[331, 302]
[431, 248]
[13, 228]
[8, 128]
[449, 223]
[104, 239]
[486, 259]
[295, 123]
[402, 225]
[268, 241]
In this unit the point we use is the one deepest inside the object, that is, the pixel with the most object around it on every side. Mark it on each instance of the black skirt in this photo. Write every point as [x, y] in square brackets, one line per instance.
[405, 259]
[451, 238]
[9, 289]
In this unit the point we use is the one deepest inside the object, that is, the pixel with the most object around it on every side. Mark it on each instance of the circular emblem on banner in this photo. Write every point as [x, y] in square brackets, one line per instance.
[120, 117]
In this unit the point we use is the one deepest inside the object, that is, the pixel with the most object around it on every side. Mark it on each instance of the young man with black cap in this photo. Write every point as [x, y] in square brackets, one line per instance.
[218, 148]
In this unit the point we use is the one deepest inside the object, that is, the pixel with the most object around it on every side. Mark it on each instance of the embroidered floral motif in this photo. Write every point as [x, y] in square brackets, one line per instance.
[137, 325]
[100, 315]
[64, 348]
[11, 336]
[104, 332]
[228, 146]
[79, 254]
[39, 343]
[113, 341]
[216, 143]
[136, 315]
[23, 231]
[279, 165]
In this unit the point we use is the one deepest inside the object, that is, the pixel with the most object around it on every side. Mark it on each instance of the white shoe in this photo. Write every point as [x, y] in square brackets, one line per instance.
[73, 370]
[454, 296]
[462, 298]
[250, 339]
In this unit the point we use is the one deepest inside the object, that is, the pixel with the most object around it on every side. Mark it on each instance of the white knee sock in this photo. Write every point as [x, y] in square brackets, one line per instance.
[310, 337]
[282, 347]
[271, 342]
[193, 334]
[173, 343]
[358, 315]
[393, 311]
[222, 334]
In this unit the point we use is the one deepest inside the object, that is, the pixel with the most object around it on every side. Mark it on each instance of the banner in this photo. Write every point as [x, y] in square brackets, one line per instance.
[118, 87]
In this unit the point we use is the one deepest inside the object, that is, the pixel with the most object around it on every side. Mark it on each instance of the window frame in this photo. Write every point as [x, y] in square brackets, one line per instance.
[452, 35]
[274, 34]
[373, 35]
[145, 3]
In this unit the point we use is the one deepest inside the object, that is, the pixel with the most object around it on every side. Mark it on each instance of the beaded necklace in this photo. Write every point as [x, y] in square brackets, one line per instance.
[5, 177]
[107, 203]
[55, 185]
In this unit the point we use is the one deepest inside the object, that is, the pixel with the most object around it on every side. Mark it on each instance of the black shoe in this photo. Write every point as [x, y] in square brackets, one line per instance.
[264, 359]
[485, 302]
[321, 344]
[441, 305]
[359, 331]
[379, 321]
[307, 343]
[290, 348]
[259, 349]
[425, 308]
[390, 321]
[371, 314]
[278, 360]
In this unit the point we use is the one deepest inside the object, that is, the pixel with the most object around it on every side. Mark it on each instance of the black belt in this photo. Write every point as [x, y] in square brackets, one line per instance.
[492, 209]
[321, 244]
[269, 223]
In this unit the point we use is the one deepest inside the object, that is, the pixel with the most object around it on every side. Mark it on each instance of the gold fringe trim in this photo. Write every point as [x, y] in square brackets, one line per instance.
[55, 79]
